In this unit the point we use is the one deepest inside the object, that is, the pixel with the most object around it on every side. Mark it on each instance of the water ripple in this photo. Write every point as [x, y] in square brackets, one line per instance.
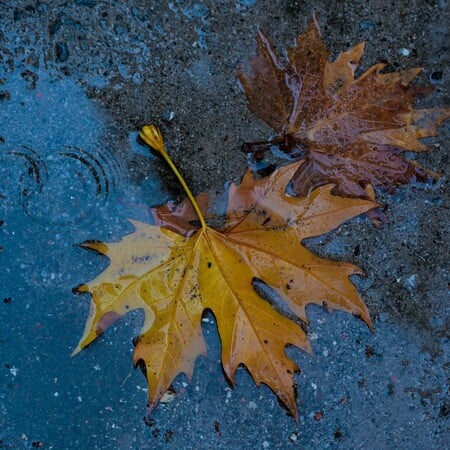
[62, 188]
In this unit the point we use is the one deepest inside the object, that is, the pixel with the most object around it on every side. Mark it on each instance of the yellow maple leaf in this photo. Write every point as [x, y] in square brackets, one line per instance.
[175, 278]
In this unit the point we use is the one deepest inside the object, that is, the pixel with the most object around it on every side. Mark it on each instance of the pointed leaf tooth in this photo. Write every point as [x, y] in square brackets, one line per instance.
[403, 78]
[98, 246]
[340, 73]
[80, 289]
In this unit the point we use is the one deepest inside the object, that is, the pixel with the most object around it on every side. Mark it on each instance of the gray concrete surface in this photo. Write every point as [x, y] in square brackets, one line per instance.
[78, 78]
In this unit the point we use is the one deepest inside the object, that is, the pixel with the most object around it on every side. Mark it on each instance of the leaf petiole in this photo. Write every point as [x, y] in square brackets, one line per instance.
[152, 136]
[285, 143]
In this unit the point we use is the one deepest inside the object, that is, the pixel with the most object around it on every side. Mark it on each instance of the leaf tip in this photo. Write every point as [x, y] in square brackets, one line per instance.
[261, 34]
[136, 224]
[365, 317]
[76, 350]
[80, 289]
[308, 349]
[97, 246]
[151, 405]
[315, 21]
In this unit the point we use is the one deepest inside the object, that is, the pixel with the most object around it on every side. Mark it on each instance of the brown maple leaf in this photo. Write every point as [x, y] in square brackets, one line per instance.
[353, 130]
[175, 278]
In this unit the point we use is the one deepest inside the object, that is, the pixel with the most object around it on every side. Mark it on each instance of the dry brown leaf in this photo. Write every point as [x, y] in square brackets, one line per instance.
[353, 130]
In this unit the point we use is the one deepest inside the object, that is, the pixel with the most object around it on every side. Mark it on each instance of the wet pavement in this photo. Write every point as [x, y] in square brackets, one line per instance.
[77, 80]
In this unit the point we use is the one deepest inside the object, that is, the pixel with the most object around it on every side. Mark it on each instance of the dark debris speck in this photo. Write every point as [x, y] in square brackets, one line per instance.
[5, 95]
[338, 434]
[436, 77]
[168, 435]
[444, 411]
[61, 52]
[390, 388]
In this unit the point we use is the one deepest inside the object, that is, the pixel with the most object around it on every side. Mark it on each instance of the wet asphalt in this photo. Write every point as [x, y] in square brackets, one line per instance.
[77, 80]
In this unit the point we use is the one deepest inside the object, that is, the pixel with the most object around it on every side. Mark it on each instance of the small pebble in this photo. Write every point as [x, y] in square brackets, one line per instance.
[313, 336]
[168, 397]
[138, 78]
[366, 25]
[168, 115]
[412, 282]
[404, 51]
[318, 415]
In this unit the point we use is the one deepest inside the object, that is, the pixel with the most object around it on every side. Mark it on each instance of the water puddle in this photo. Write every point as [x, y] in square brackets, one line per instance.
[62, 182]
[52, 162]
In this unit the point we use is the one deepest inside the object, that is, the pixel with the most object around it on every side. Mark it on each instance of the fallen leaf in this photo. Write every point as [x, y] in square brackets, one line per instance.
[182, 217]
[352, 130]
[174, 279]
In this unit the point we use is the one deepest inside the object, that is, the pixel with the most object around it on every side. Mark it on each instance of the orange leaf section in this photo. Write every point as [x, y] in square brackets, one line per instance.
[181, 218]
[175, 278]
[353, 129]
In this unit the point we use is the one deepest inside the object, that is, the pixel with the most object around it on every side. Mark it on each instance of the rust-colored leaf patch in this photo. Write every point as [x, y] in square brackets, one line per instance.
[353, 130]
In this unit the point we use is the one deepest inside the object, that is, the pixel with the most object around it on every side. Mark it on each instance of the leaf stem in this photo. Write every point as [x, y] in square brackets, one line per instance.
[152, 136]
